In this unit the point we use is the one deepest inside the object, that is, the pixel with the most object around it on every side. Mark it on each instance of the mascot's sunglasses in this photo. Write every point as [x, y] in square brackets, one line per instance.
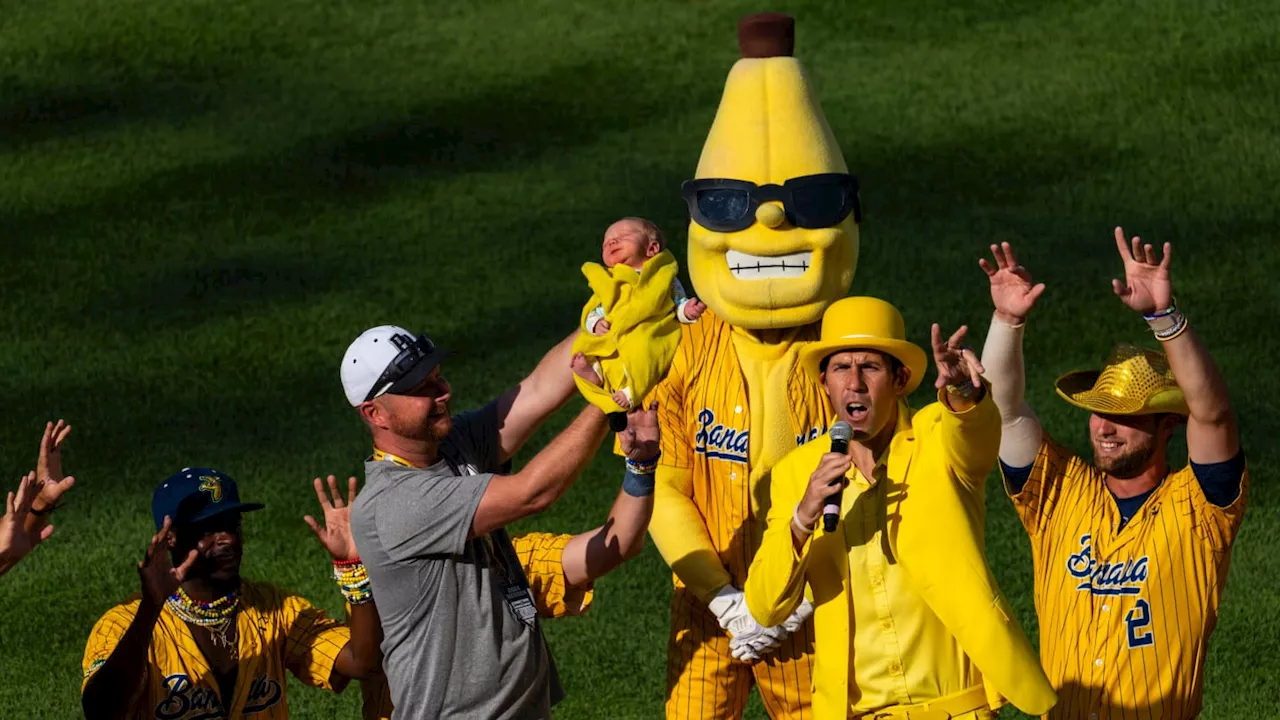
[811, 201]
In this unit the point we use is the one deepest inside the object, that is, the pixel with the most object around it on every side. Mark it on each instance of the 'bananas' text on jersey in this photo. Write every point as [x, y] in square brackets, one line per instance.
[1118, 578]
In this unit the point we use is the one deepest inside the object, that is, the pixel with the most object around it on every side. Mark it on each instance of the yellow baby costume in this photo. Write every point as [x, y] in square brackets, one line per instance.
[643, 330]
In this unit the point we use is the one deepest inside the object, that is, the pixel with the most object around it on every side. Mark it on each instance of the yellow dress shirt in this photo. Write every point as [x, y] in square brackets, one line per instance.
[902, 652]
[906, 608]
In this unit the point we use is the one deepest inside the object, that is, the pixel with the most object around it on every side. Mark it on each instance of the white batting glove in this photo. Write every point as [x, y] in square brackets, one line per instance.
[802, 613]
[750, 647]
[748, 639]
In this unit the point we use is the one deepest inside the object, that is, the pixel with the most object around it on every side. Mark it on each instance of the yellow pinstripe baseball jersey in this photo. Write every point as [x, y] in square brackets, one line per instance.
[278, 631]
[706, 425]
[1125, 615]
[722, 447]
[541, 556]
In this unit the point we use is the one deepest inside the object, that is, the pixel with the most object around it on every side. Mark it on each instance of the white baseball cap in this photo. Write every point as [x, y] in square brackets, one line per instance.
[387, 359]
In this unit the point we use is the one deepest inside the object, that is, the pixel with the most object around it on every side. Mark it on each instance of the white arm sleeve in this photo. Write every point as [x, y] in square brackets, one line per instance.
[1020, 433]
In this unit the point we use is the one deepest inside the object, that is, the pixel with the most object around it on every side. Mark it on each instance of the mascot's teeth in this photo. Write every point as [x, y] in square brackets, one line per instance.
[756, 267]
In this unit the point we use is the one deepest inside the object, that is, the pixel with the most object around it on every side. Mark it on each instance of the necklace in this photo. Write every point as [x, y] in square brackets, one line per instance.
[217, 616]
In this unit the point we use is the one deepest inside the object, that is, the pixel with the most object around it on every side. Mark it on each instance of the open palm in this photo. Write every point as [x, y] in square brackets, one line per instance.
[1012, 291]
[1146, 288]
[49, 465]
[335, 534]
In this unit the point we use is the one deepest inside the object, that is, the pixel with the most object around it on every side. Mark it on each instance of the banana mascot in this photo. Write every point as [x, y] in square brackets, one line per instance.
[773, 241]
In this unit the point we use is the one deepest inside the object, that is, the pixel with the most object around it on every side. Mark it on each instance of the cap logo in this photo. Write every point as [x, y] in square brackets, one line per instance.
[213, 486]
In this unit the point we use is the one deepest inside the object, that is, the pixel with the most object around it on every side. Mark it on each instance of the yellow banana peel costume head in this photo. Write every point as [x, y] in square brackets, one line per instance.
[774, 236]
[643, 335]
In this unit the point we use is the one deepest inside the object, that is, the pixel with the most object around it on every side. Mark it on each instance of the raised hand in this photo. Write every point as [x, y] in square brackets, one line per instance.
[49, 466]
[1146, 287]
[641, 441]
[335, 534]
[159, 577]
[15, 539]
[956, 362]
[1012, 292]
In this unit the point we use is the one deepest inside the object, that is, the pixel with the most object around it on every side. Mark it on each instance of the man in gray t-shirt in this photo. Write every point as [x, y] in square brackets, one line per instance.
[461, 635]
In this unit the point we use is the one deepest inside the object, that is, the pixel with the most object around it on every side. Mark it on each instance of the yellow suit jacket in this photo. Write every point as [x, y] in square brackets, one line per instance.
[938, 464]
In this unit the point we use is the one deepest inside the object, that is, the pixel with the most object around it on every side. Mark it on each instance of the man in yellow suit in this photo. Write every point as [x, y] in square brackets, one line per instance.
[773, 241]
[909, 620]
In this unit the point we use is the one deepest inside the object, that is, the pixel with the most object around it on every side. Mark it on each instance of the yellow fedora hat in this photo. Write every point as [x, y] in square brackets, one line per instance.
[1133, 381]
[865, 323]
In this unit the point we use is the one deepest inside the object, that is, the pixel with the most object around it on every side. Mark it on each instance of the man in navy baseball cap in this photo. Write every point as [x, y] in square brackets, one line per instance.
[193, 495]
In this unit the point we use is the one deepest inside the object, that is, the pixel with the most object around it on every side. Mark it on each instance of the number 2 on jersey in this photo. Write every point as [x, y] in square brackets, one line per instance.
[1138, 622]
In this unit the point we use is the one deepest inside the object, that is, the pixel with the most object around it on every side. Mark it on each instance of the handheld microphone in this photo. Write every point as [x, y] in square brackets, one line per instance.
[841, 433]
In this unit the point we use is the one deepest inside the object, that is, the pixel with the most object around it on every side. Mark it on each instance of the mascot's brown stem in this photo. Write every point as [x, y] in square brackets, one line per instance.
[767, 35]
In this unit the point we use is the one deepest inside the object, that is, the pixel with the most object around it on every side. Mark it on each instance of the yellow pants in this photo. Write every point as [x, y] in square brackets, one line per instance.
[705, 682]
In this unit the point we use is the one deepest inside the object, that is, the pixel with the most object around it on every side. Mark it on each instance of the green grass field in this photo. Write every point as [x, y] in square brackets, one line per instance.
[201, 203]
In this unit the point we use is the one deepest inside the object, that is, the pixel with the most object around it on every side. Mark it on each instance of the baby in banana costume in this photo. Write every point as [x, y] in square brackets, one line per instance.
[631, 333]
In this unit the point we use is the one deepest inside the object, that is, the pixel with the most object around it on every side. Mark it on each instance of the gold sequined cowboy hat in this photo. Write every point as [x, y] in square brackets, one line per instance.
[1133, 381]
[864, 323]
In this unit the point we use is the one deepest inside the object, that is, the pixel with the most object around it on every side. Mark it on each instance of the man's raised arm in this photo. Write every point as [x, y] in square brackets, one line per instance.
[1212, 434]
[527, 405]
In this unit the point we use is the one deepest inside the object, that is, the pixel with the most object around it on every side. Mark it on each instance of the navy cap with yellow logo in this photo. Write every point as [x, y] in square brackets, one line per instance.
[194, 494]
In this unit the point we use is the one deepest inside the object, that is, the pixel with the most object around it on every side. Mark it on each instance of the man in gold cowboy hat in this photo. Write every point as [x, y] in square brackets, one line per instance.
[1131, 557]
[909, 621]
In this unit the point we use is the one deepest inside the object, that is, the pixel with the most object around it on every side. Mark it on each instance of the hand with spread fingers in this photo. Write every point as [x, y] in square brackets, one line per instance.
[15, 539]
[335, 534]
[957, 364]
[1012, 291]
[158, 576]
[641, 441]
[49, 471]
[1146, 288]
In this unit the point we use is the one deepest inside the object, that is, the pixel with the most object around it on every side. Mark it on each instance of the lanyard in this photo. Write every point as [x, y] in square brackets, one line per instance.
[383, 455]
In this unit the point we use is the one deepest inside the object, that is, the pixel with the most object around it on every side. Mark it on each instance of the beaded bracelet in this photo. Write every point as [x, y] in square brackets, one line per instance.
[643, 467]
[1167, 324]
[353, 581]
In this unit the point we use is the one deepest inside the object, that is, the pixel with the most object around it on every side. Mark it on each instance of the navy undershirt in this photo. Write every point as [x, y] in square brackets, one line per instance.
[1220, 483]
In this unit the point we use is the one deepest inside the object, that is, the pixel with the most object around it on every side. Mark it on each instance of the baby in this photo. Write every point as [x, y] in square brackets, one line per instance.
[631, 241]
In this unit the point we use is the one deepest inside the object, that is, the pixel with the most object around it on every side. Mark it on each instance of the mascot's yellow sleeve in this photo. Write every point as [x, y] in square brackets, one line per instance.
[678, 527]
[643, 333]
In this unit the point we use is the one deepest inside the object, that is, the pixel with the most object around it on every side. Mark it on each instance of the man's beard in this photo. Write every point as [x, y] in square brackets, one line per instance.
[433, 429]
[1127, 466]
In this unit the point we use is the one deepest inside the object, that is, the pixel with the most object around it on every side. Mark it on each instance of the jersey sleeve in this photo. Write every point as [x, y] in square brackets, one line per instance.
[313, 642]
[1218, 525]
[1041, 490]
[104, 638]
[541, 555]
